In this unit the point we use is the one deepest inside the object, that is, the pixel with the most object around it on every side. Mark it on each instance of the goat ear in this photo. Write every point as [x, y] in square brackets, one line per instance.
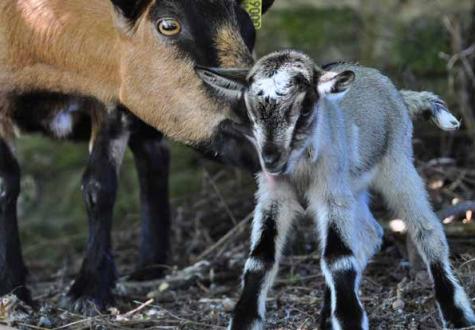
[228, 83]
[335, 83]
[128, 12]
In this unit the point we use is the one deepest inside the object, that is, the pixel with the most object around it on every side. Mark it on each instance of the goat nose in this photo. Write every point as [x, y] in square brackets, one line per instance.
[271, 156]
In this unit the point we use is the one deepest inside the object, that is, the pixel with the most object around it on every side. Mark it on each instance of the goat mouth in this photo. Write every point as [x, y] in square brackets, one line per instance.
[277, 171]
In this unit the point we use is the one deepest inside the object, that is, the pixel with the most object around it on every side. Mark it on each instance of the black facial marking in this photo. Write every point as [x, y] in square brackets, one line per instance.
[348, 310]
[270, 67]
[305, 123]
[445, 294]
[131, 9]
[196, 38]
[200, 21]
[265, 249]
[230, 146]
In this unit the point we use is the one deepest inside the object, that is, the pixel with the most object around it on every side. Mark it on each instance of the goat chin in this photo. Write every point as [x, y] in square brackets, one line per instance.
[271, 179]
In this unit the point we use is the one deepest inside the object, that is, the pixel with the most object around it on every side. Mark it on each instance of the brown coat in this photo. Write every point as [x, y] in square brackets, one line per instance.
[69, 47]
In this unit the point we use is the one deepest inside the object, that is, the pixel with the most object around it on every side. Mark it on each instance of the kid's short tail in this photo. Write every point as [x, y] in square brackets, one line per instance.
[430, 106]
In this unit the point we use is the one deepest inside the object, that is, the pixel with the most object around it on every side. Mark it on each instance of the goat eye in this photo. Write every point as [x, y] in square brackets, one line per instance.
[169, 27]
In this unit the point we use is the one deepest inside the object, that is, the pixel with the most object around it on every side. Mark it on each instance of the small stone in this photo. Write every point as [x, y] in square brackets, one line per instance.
[423, 277]
[163, 287]
[398, 304]
[113, 311]
[45, 322]
[228, 305]
[153, 312]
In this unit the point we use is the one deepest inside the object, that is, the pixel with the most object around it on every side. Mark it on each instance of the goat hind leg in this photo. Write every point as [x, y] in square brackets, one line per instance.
[152, 160]
[91, 291]
[405, 194]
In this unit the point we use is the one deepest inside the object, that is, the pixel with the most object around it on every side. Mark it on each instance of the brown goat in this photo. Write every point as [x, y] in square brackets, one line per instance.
[64, 62]
[92, 49]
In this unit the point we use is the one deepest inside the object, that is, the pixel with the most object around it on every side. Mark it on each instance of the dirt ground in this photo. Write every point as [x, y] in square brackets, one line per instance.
[209, 240]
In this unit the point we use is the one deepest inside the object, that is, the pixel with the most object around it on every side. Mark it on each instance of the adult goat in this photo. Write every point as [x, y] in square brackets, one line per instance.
[89, 71]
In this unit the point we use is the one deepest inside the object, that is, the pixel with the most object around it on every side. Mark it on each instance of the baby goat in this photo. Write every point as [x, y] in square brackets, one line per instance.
[322, 145]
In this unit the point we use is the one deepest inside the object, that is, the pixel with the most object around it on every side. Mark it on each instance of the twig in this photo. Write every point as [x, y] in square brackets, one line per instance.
[133, 311]
[223, 240]
[188, 321]
[456, 210]
[31, 326]
[466, 263]
[76, 322]
[221, 198]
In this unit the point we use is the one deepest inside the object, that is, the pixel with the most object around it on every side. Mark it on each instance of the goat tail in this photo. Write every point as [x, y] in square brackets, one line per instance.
[430, 106]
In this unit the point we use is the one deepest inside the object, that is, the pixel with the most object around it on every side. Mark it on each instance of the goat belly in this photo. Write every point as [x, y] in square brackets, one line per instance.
[55, 115]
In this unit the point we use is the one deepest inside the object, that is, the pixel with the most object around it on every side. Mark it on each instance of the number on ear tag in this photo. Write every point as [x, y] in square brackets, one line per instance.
[254, 8]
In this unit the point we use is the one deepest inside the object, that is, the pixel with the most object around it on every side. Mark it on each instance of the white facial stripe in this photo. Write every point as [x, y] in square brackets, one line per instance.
[275, 85]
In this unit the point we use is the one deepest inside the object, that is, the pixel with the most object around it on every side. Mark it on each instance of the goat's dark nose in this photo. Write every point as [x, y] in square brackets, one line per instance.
[271, 156]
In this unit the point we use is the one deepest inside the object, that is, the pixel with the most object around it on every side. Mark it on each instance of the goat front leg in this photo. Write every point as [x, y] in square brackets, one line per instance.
[404, 191]
[276, 208]
[91, 291]
[335, 214]
[12, 268]
[152, 160]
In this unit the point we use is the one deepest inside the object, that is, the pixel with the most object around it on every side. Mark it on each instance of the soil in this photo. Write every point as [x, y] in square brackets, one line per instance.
[209, 240]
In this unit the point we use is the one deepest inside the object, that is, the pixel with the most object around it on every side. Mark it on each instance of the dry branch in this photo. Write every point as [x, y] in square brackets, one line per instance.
[226, 238]
[456, 210]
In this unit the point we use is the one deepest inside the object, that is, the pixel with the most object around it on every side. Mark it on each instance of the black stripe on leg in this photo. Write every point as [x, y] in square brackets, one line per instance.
[335, 248]
[246, 311]
[348, 310]
[445, 294]
[265, 249]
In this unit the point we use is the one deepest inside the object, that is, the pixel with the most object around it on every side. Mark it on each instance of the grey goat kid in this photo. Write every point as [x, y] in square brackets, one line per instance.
[322, 145]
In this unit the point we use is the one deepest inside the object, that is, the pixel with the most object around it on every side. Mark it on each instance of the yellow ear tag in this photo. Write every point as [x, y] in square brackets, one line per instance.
[254, 8]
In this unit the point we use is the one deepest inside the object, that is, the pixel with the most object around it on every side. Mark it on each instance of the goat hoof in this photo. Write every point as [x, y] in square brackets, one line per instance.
[87, 306]
[20, 291]
[460, 322]
[87, 298]
[246, 324]
[325, 324]
[20, 295]
[147, 273]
